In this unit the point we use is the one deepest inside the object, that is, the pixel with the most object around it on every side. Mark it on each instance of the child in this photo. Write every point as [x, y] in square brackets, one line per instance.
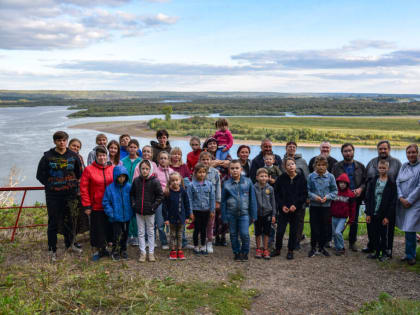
[176, 211]
[194, 155]
[213, 177]
[59, 170]
[381, 197]
[114, 152]
[101, 139]
[147, 154]
[224, 139]
[117, 207]
[266, 208]
[273, 170]
[124, 143]
[130, 162]
[175, 158]
[146, 195]
[162, 137]
[343, 207]
[239, 209]
[291, 194]
[162, 173]
[203, 204]
[322, 189]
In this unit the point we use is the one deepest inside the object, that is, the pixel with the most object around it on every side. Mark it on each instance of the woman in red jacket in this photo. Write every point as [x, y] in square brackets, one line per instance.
[93, 182]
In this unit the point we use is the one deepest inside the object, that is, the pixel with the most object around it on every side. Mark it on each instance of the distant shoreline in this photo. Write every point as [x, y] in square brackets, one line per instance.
[140, 129]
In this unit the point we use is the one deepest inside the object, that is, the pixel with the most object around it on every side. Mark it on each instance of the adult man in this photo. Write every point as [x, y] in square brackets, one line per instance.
[356, 172]
[325, 149]
[301, 167]
[384, 150]
[258, 161]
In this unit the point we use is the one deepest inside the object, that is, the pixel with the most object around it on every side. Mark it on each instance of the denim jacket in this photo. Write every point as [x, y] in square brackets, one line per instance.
[238, 199]
[201, 195]
[322, 186]
[214, 177]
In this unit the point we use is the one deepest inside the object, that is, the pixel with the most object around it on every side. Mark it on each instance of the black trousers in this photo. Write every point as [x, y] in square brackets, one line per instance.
[379, 235]
[354, 227]
[390, 234]
[119, 236]
[200, 226]
[100, 229]
[318, 218]
[291, 218]
[300, 213]
[59, 215]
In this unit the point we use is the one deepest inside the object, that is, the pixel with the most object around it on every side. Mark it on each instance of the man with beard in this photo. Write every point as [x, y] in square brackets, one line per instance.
[301, 167]
[356, 172]
[325, 150]
[258, 161]
[384, 149]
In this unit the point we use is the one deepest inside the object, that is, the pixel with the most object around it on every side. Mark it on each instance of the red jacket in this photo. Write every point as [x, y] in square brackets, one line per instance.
[192, 159]
[344, 206]
[93, 183]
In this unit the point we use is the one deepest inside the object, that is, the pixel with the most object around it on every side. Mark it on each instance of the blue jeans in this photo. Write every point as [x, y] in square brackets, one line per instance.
[410, 245]
[220, 155]
[337, 232]
[160, 224]
[239, 227]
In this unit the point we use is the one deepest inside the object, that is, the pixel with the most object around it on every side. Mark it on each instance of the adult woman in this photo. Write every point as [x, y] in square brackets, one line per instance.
[408, 207]
[243, 156]
[210, 145]
[175, 158]
[114, 152]
[94, 180]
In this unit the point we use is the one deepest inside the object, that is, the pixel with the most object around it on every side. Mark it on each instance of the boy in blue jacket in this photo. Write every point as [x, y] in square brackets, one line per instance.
[117, 207]
[239, 209]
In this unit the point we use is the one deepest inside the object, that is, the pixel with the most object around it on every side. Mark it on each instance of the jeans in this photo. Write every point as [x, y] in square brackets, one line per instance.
[338, 225]
[160, 224]
[220, 155]
[146, 223]
[239, 227]
[410, 245]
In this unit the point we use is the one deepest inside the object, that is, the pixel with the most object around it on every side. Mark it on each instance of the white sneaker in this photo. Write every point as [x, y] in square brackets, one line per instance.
[75, 249]
[189, 246]
[165, 247]
[53, 256]
[210, 247]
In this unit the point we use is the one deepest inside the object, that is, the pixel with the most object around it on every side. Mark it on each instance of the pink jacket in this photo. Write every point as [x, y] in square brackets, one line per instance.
[224, 138]
[162, 175]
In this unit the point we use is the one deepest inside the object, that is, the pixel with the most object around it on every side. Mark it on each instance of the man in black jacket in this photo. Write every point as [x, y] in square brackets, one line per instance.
[258, 161]
[357, 174]
[59, 170]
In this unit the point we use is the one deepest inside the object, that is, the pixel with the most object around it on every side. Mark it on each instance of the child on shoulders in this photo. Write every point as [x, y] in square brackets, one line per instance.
[224, 139]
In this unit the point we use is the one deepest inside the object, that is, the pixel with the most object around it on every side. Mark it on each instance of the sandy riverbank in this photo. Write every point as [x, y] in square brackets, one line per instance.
[140, 129]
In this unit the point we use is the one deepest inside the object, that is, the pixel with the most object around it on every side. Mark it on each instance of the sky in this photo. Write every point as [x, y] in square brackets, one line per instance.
[284, 46]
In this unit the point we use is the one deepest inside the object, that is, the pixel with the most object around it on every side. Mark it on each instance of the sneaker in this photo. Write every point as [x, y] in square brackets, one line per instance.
[189, 246]
[172, 255]
[75, 249]
[404, 259]
[180, 255]
[324, 252]
[373, 256]
[124, 254]
[203, 251]
[142, 257]
[77, 244]
[275, 252]
[339, 252]
[312, 252]
[115, 256]
[135, 241]
[223, 241]
[297, 247]
[152, 257]
[266, 254]
[289, 255]
[53, 256]
[411, 261]
[367, 250]
[130, 241]
[353, 248]
[196, 250]
[244, 257]
[383, 258]
[258, 253]
[210, 247]
[328, 245]
[104, 253]
[237, 257]
[165, 247]
[96, 256]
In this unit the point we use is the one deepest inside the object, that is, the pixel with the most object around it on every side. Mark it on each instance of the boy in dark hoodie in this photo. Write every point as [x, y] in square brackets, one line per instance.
[343, 207]
[59, 170]
[381, 198]
[146, 195]
[117, 207]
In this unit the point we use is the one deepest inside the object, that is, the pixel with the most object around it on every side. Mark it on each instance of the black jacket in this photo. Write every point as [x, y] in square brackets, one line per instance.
[176, 207]
[388, 202]
[331, 162]
[359, 175]
[258, 162]
[156, 148]
[146, 195]
[290, 191]
[59, 173]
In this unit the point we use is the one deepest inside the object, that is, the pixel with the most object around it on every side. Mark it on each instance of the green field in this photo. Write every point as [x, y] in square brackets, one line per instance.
[358, 130]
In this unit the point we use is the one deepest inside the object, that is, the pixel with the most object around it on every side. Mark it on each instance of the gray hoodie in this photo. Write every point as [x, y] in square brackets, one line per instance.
[266, 202]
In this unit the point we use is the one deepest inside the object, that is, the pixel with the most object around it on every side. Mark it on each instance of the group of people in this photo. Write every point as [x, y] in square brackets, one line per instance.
[126, 193]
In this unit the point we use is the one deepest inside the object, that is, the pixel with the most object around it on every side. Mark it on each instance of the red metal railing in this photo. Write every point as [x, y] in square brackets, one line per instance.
[16, 226]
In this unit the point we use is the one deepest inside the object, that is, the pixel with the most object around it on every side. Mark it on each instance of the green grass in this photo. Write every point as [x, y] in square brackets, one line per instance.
[387, 305]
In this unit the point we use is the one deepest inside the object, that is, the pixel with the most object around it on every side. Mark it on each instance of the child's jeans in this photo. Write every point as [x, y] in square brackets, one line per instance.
[239, 227]
[160, 224]
[220, 155]
[176, 231]
[410, 245]
[338, 225]
[146, 224]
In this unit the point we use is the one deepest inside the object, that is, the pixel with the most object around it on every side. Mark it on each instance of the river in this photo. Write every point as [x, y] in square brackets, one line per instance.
[26, 132]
